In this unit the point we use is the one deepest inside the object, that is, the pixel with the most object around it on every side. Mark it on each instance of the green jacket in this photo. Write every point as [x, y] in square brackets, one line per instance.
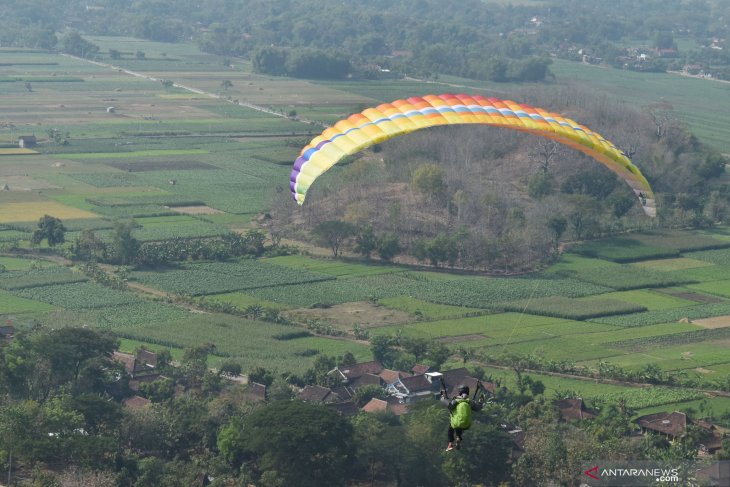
[461, 413]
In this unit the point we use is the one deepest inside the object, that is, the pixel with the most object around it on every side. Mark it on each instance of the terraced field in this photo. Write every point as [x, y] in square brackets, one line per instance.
[632, 301]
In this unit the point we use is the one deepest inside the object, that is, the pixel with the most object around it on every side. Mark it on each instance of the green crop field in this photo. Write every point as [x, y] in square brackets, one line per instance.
[242, 301]
[218, 277]
[249, 342]
[650, 299]
[574, 308]
[23, 264]
[333, 267]
[695, 101]
[45, 276]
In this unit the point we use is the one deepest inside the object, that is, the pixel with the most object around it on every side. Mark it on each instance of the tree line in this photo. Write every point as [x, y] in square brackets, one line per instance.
[480, 40]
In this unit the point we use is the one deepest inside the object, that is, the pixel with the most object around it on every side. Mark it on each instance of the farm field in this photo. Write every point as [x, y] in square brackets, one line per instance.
[191, 165]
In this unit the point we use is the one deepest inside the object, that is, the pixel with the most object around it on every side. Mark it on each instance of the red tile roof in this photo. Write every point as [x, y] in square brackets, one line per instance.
[136, 402]
[358, 370]
[375, 405]
[314, 394]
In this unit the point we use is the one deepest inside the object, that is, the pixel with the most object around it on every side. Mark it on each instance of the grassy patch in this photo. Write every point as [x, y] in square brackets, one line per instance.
[14, 304]
[333, 267]
[622, 250]
[669, 265]
[712, 406]
[23, 264]
[677, 357]
[131, 346]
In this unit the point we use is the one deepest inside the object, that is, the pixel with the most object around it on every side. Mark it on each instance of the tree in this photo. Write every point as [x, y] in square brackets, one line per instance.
[230, 368]
[366, 241]
[88, 247]
[73, 354]
[50, 228]
[380, 444]
[226, 84]
[388, 247]
[333, 233]
[364, 394]
[484, 458]
[539, 185]
[261, 376]
[124, 245]
[430, 179]
[232, 440]
[115, 54]
[557, 225]
[313, 450]
[73, 43]
[270, 60]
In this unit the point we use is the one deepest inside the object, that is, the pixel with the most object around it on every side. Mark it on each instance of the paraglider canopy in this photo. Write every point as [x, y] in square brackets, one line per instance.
[375, 125]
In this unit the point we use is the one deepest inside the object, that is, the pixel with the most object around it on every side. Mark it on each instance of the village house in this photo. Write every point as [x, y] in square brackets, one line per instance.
[358, 375]
[318, 394]
[255, 392]
[390, 405]
[26, 141]
[574, 409]
[143, 363]
[412, 388]
[674, 426]
[670, 425]
[7, 332]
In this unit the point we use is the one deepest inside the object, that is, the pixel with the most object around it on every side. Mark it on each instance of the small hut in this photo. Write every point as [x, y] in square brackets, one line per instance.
[25, 141]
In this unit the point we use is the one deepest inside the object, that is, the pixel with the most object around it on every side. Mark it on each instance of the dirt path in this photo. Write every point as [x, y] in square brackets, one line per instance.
[191, 89]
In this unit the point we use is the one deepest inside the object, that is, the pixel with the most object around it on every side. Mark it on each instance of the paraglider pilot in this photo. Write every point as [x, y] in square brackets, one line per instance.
[460, 409]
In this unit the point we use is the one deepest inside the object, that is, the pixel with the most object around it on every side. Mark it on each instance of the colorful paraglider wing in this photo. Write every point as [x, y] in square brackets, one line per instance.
[375, 125]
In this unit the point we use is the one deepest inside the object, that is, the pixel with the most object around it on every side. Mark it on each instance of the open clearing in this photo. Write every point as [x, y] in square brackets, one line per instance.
[195, 210]
[714, 322]
[357, 313]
